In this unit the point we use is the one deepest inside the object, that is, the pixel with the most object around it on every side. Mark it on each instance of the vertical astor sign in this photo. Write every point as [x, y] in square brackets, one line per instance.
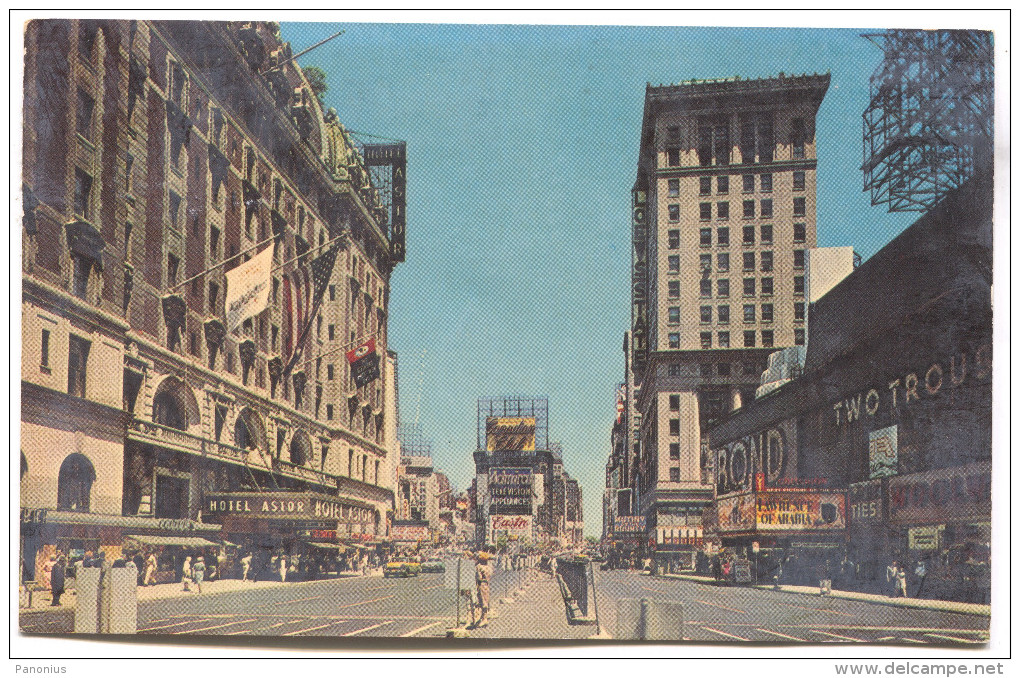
[364, 363]
[248, 289]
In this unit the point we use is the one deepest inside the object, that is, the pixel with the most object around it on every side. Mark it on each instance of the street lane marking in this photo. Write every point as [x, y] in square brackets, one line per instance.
[883, 638]
[722, 633]
[834, 635]
[298, 600]
[213, 628]
[197, 620]
[417, 631]
[284, 623]
[817, 609]
[782, 635]
[953, 638]
[376, 588]
[731, 609]
[367, 628]
[366, 602]
[314, 628]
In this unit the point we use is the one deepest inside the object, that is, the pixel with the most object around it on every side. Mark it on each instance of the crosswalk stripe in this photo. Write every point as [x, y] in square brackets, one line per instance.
[314, 628]
[731, 609]
[213, 628]
[722, 633]
[834, 635]
[953, 638]
[196, 620]
[366, 602]
[368, 628]
[781, 635]
[417, 631]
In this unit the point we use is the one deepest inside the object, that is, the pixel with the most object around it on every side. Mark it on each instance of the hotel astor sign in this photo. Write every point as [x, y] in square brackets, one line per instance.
[296, 505]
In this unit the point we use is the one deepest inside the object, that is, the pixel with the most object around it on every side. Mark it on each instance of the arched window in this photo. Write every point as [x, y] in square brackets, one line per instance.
[74, 484]
[174, 405]
[248, 431]
[300, 449]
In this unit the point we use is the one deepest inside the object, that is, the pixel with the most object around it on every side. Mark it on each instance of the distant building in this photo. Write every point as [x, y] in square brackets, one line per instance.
[723, 217]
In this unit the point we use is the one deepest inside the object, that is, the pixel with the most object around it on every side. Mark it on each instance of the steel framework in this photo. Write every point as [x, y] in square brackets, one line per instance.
[930, 119]
[516, 406]
[413, 443]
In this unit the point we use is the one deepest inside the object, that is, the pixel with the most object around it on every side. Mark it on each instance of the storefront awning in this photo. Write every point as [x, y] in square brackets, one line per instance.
[58, 517]
[323, 545]
[171, 540]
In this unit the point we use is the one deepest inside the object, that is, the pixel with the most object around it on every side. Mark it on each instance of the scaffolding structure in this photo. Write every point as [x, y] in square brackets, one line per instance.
[413, 442]
[930, 120]
[516, 406]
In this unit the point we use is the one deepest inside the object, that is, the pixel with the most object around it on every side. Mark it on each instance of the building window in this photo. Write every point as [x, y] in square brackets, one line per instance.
[767, 312]
[766, 261]
[748, 183]
[329, 412]
[674, 289]
[674, 187]
[766, 208]
[722, 184]
[673, 262]
[674, 212]
[674, 475]
[798, 181]
[798, 284]
[749, 209]
[748, 313]
[214, 293]
[332, 292]
[674, 340]
[723, 369]
[705, 263]
[173, 264]
[748, 338]
[723, 287]
[766, 234]
[798, 336]
[706, 314]
[800, 233]
[331, 332]
[747, 142]
[705, 211]
[329, 372]
[706, 237]
[798, 137]
[82, 194]
[673, 157]
[749, 287]
[705, 369]
[674, 315]
[674, 371]
[713, 142]
[674, 427]
[86, 109]
[749, 259]
[766, 286]
[44, 356]
[724, 340]
[723, 236]
[748, 235]
[77, 362]
[722, 262]
[798, 310]
[214, 243]
[798, 258]
[674, 450]
[723, 314]
[705, 186]
[799, 207]
[706, 340]
[80, 275]
[674, 402]
[673, 239]
[74, 484]
[722, 211]
[706, 288]
[174, 206]
[766, 183]
[766, 338]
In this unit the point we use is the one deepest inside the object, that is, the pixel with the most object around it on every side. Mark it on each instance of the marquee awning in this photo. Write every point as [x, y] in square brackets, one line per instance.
[323, 545]
[171, 540]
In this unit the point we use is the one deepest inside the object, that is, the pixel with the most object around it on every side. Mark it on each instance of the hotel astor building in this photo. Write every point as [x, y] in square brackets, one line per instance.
[158, 156]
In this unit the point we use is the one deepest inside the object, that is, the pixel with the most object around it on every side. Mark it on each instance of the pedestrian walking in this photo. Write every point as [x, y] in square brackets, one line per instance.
[150, 569]
[727, 566]
[283, 568]
[890, 577]
[901, 581]
[245, 566]
[46, 575]
[198, 570]
[921, 572]
[824, 579]
[717, 568]
[186, 574]
[847, 573]
[483, 573]
[57, 578]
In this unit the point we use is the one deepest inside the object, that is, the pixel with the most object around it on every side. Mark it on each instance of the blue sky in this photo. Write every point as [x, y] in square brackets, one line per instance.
[522, 150]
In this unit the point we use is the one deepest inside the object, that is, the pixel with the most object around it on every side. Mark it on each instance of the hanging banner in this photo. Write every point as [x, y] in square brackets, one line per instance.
[248, 288]
[364, 363]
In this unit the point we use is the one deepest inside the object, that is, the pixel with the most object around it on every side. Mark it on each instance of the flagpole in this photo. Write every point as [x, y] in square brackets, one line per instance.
[356, 342]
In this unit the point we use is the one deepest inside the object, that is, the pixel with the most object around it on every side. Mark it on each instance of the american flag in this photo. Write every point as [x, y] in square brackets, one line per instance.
[322, 270]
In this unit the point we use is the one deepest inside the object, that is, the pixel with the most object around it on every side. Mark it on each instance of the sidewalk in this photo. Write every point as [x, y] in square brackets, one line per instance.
[878, 599]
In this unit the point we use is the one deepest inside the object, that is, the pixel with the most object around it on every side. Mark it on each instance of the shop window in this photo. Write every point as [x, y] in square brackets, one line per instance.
[74, 483]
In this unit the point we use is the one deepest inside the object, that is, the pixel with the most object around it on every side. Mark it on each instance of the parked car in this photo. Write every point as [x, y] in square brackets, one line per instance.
[433, 565]
[402, 567]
